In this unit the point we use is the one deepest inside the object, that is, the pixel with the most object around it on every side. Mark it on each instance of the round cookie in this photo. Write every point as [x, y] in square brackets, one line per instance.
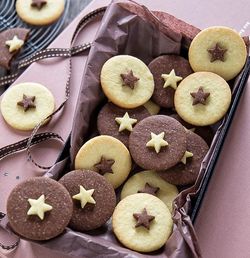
[118, 122]
[48, 204]
[93, 196]
[107, 156]
[25, 105]
[150, 182]
[39, 12]
[126, 81]
[168, 71]
[202, 98]
[157, 142]
[184, 174]
[142, 222]
[218, 49]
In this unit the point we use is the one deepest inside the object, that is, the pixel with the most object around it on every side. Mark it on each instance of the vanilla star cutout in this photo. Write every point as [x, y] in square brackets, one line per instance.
[171, 79]
[125, 122]
[157, 141]
[85, 196]
[14, 44]
[38, 207]
[187, 154]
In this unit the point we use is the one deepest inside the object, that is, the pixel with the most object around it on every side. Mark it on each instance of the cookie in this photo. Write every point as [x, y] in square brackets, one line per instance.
[93, 197]
[150, 182]
[25, 105]
[202, 98]
[168, 71]
[107, 156]
[39, 208]
[152, 108]
[126, 81]
[118, 122]
[39, 12]
[157, 142]
[142, 222]
[187, 170]
[218, 49]
[11, 42]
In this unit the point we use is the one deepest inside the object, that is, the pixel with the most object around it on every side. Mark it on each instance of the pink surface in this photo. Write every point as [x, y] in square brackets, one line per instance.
[221, 216]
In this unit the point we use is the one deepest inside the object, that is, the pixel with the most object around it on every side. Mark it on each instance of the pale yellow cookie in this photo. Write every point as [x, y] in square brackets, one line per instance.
[150, 182]
[25, 105]
[152, 108]
[218, 49]
[142, 222]
[202, 98]
[107, 156]
[45, 12]
[127, 81]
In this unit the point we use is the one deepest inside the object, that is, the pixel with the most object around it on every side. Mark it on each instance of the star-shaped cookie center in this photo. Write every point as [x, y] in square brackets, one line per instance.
[85, 196]
[38, 207]
[157, 141]
[200, 96]
[149, 189]
[217, 53]
[14, 44]
[143, 219]
[105, 166]
[125, 122]
[27, 102]
[186, 155]
[38, 4]
[171, 79]
[129, 79]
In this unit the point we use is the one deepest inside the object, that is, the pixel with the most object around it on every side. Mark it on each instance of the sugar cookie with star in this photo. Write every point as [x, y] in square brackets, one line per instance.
[39, 208]
[24, 105]
[218, 49]
[168, 72]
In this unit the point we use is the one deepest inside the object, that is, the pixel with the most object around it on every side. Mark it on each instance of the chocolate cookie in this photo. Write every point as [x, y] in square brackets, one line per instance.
[94, 199]
[118, 122]
[39, 208]
[11, 41]
[157, 142]
[168, 70]
[186, 171]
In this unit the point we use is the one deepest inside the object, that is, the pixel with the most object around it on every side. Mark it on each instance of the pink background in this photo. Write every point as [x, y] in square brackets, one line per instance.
[223, 227]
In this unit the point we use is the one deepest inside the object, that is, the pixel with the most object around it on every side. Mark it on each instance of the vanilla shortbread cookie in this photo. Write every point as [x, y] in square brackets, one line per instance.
[127, 81]
[202, 98]
[107, 156]
[218, 49]
[25, 105]
[142, 222]
[152, 108]
[39, 12]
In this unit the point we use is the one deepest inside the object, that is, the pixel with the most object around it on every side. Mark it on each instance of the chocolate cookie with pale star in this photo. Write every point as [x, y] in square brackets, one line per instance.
[119, 122]
[157, 142]
[168, 71]
[93, 197]
[39, 208]
[187, 170]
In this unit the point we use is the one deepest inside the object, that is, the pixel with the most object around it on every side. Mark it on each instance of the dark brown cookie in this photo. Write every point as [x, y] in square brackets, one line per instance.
[6, 56]
[55, 219]
[153, 131]
[100, 202]
[183, 174]
[164, 97]
[107, 124]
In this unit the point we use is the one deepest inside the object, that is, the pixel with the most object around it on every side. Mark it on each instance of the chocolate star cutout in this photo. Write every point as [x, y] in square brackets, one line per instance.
[104, 166]
[217, 53]
[27, 102]
[143, 219]
[129, 79]
[38, 3]
[200, 96]
[149, 189]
